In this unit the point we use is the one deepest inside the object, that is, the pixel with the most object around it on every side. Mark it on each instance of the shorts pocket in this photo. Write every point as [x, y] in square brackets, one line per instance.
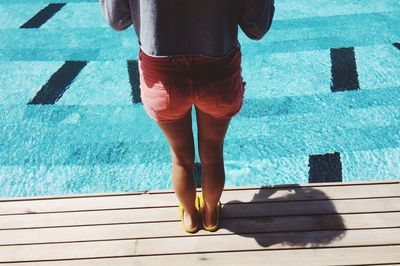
[228, 91]
[155, 94]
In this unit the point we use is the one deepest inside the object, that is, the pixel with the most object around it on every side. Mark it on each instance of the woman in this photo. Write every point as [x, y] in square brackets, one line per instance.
[189, 54]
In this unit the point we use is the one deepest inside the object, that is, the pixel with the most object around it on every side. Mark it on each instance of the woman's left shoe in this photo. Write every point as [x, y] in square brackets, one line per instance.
[215, 227]
[182, 210]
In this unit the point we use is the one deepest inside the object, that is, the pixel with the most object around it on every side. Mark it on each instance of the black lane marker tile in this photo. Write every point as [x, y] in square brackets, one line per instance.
[133, 72]
[197, 172]
[43, 15]
[325, 168]
[58, 83]
[397, 45]
[344, 70]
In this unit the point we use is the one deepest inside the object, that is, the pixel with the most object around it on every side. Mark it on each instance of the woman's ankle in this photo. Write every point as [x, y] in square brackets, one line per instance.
[209, 215]
[190, 219]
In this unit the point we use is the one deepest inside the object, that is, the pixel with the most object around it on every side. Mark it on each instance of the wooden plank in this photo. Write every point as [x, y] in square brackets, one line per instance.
[229, 210]
[170, 191]
[170, 200]
[173, 229]
[310, 257]
[322, 256]
[272, 241]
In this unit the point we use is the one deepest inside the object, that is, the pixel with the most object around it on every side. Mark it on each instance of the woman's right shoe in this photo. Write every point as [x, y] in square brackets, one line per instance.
[215, 227]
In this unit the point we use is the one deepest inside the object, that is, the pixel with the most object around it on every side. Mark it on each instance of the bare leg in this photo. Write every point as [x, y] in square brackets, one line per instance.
[180, 138]
[211, 134]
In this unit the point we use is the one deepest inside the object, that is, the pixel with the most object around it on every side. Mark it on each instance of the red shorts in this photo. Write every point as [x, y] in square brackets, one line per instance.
[169, 86]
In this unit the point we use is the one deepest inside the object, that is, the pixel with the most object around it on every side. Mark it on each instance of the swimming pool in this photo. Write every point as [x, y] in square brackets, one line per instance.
[322, 100]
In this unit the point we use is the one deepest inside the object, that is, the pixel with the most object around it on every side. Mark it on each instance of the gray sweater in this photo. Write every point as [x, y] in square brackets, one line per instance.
[197, 27]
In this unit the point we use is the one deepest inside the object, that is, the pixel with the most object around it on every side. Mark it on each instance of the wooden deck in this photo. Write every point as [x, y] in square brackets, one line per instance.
[310, 224]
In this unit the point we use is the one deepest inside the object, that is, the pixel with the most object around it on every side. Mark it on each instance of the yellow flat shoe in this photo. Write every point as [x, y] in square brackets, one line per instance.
[215, 227]
[182, 210]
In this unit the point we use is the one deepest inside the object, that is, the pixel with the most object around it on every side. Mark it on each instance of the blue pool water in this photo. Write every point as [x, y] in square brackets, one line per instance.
[322, 101]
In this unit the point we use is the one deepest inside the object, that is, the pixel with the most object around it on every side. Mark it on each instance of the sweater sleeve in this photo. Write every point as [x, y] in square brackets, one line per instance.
[116, 13]
[255, 17]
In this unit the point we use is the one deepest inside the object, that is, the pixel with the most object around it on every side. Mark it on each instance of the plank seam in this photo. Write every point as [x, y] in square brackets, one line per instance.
[379, 264]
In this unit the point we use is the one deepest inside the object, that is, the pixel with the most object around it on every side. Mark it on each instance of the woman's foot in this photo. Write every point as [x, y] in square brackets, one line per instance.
[210, 216]
[190, 218]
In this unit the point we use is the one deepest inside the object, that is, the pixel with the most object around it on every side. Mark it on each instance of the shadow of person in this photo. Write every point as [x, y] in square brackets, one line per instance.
[283, 215]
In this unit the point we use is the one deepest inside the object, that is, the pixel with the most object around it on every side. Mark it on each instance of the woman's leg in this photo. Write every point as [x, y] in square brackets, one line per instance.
[211, 134]
[180, 138]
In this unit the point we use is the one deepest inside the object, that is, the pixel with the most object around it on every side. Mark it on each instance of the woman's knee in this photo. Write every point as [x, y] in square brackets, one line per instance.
[210, 152]
[183, 158]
